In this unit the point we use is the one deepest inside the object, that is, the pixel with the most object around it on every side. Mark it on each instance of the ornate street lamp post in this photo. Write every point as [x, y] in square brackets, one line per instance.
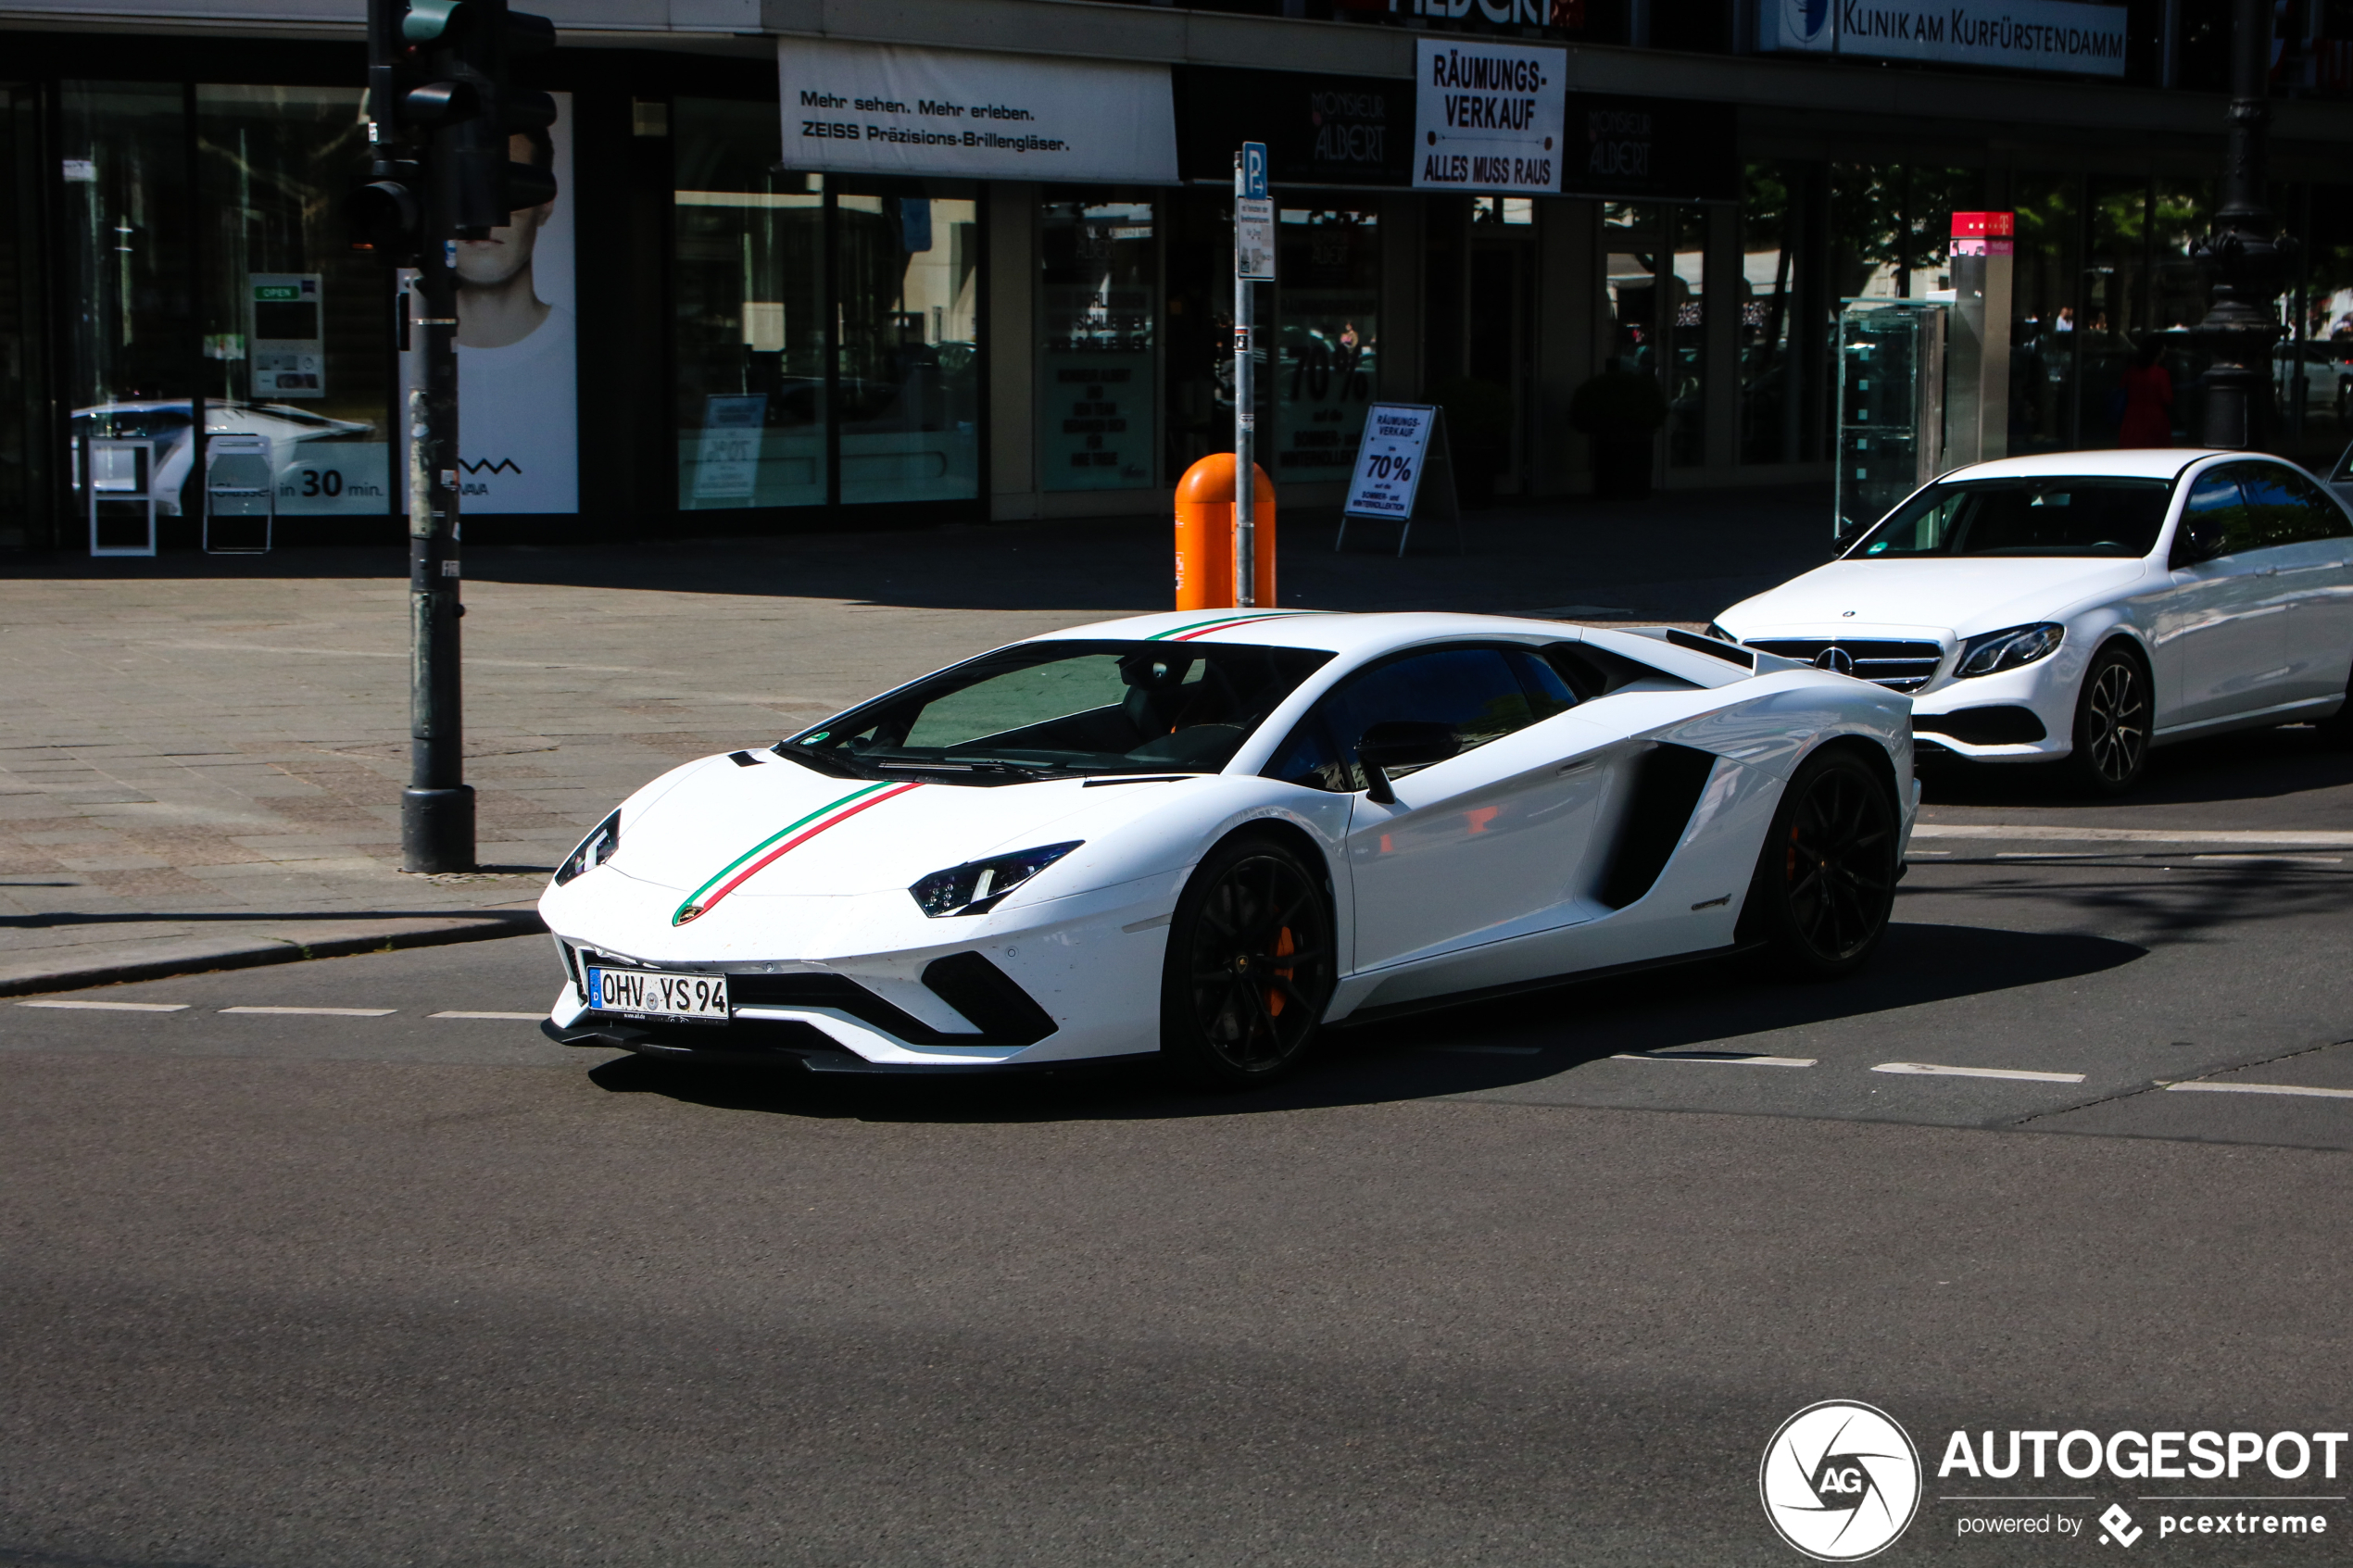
[2247, 255]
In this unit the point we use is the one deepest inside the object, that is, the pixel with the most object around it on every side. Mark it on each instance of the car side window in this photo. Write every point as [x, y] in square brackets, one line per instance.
[2214, 520]
[2289, 509]
[1473, 691]
[1547, 693]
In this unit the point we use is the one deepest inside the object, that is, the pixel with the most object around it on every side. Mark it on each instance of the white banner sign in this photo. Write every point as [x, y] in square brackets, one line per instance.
[2058, 35]
[881, 108]
[518, 347]
[1488, 117]
[1388, 463]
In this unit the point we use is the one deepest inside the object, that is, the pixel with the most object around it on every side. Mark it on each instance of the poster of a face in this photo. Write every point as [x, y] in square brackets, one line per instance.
[517, 404]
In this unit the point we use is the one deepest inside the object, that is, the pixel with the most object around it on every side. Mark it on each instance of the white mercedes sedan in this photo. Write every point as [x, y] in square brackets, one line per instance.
[2087, 606]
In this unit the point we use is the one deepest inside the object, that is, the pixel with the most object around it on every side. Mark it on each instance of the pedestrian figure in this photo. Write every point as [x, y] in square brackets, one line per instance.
[2148, 399]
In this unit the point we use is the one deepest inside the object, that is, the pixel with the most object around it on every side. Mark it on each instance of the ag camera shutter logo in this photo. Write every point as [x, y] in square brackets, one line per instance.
[1840, 1480]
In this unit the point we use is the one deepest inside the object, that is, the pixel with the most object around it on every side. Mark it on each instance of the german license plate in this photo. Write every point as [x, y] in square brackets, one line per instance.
[651, 993]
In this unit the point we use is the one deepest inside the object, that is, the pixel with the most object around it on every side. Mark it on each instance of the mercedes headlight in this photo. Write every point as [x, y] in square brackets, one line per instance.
[594, 851]
[975, 887]
[1997, 651]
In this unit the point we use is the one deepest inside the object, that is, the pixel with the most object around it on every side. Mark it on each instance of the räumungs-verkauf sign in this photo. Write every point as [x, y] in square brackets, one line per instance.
[1488, 117]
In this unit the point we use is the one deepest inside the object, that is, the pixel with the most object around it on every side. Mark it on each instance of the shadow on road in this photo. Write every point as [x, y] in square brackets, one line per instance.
[1486, 1045]
[2179, 898]
[2250, 765]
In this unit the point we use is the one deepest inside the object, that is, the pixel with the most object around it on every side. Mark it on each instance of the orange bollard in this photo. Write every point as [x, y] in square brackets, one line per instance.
[1205, 535]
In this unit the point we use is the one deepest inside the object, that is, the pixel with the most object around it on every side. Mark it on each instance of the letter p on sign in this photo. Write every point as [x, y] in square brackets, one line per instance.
[1254, 170]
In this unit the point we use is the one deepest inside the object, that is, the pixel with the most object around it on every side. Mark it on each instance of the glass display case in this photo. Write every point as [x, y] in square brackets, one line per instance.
[1891, 405]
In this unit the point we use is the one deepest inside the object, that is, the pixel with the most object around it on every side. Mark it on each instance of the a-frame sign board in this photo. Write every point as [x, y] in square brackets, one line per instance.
[1404, 472]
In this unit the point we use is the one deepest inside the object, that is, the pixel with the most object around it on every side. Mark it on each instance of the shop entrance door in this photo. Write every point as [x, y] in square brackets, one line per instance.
[1498, 339]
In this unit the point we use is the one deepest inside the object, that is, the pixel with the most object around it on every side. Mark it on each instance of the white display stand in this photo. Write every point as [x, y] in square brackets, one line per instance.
[1401, 443]
[119, 479]
[240, 495]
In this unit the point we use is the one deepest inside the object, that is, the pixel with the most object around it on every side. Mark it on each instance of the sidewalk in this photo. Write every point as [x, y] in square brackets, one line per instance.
[201, 758]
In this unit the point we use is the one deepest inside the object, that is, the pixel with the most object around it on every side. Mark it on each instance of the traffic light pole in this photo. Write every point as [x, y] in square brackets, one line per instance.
[437, 808]
[441, 115]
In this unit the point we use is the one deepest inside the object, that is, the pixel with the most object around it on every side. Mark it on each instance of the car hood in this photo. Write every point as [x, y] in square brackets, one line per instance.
[1964, 596]
[777, 828]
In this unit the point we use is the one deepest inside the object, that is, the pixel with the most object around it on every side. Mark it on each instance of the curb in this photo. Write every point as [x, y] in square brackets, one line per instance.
[281, 949]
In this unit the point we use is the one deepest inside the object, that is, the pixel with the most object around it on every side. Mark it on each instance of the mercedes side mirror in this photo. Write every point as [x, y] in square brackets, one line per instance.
[2201, 540]
[1402, 743]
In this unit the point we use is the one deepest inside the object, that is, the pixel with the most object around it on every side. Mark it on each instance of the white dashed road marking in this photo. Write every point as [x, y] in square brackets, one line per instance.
[2262, 1089]
[114, 1007]
[322, 1012]
[1736, 1058]
[518, 1016]
[2304, 838]
[1931, 1069]
[2287, 859]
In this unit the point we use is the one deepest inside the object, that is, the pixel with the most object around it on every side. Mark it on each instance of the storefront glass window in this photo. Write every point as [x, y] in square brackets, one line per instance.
[1328, 260]
[1198, 331]
[294, 346]
[2047, 338]
[1630, 250]
[2115, 300]
[750, 306]
[131, 333]
[1097, 373]
[1686, 337]
[24, 459]
[1867, 236]
[908, 264]
[1768, 298]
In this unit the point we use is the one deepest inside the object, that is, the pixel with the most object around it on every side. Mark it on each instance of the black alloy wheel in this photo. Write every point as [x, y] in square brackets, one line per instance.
[2111, 723]
[1825, 884]
[1249, 967]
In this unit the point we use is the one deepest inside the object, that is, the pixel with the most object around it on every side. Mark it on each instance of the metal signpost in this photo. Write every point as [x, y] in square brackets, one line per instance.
[1253, 263]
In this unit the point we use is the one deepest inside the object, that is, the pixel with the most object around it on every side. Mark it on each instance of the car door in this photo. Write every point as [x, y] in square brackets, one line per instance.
[2220, 626]
[1483, 846]
[2308, 537]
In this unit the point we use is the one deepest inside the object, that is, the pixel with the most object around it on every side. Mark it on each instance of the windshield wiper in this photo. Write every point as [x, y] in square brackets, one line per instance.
[831, 764]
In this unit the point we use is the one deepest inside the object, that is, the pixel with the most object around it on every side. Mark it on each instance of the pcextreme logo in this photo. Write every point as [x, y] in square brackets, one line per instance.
[1840, 1480]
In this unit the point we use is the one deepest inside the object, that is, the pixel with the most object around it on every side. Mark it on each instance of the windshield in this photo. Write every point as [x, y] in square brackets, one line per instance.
[2058, 516]
[1043, 708]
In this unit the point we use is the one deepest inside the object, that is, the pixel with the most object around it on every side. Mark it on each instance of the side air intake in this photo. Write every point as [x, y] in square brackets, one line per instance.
[1667, 782]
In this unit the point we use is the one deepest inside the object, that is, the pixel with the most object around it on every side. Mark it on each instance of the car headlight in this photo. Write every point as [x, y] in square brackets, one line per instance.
[594, 851]
[1997, 651]
[975, 887]
[1720, 635]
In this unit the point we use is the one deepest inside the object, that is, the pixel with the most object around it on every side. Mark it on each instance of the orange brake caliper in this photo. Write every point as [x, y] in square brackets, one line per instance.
[1275, 998]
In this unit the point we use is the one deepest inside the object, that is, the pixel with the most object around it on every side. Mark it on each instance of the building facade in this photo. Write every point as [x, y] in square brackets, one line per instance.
[781, 287]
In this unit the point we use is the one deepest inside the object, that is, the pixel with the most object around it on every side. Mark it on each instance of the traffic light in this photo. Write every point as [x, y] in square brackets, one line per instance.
[441, 110]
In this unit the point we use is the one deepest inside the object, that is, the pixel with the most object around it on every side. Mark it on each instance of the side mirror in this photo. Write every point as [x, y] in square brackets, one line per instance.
[1402, 743]
[2200, 540]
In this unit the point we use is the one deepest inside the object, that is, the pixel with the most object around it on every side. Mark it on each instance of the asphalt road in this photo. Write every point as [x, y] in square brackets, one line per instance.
[1523, 1283]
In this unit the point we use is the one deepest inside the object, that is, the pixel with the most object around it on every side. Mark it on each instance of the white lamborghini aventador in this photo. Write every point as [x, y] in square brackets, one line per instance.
[1207, 835]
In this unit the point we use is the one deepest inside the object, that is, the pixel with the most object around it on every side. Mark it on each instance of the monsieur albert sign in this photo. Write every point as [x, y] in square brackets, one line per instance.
[884, 109]
[1659, 148]
[1318, 130]
[2049, 35]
